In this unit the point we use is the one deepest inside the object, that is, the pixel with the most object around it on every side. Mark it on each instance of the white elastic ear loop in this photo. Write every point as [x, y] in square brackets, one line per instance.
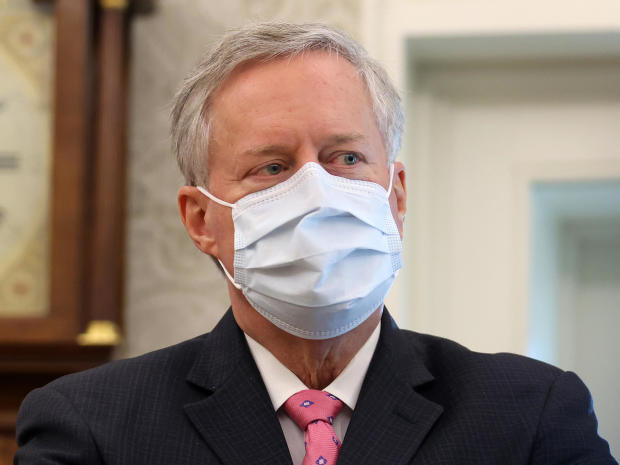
[213, 197]
[391, 179]
[230, 278]
[226, 204]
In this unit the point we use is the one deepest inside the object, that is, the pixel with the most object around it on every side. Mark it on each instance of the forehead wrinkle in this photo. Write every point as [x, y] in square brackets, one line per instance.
[336, 139]
[266, 150]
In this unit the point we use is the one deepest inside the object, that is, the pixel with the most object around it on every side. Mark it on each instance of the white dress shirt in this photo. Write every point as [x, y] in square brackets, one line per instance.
[281, 384]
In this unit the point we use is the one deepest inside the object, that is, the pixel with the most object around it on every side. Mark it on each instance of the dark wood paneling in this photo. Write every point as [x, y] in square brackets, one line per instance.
[72, 144]
[8, 447]
[107, 223]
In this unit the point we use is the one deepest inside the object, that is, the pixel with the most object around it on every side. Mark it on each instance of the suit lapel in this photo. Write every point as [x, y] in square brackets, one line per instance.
[391, 419]
[236, 417]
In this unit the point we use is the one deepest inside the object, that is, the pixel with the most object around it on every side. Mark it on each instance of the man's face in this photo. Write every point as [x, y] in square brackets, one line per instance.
[269, 119]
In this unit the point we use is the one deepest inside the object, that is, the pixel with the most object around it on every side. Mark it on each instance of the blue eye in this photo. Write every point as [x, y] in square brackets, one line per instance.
[273, 169]
[350, 158]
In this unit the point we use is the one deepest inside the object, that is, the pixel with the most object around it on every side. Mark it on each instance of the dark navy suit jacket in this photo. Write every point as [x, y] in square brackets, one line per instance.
[425, 400]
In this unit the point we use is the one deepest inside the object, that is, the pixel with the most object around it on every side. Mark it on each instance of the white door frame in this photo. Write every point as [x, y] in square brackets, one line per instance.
[401, 33]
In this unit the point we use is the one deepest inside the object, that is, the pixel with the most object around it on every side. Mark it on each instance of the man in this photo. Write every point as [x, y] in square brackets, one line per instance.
[287, 136]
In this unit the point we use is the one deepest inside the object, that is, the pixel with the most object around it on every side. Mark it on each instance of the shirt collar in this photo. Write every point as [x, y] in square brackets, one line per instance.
[281, 383]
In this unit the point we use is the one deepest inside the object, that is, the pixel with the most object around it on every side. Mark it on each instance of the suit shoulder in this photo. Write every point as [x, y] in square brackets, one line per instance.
[145, 372]
[526, 406]
[449, 360]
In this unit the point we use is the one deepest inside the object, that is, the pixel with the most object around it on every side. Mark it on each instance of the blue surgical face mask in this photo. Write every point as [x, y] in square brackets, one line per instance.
[315, 254]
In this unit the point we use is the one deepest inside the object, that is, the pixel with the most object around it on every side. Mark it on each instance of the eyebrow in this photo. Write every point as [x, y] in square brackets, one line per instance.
[266, 149]
[335, 139]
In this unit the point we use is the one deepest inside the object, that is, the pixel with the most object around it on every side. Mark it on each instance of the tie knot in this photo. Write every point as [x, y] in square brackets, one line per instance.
[311, 405]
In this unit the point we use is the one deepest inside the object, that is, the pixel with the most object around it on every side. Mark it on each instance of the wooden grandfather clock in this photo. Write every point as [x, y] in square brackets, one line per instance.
[62, 192]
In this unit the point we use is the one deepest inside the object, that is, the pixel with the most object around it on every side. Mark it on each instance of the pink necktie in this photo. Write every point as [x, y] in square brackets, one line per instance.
[314, 411]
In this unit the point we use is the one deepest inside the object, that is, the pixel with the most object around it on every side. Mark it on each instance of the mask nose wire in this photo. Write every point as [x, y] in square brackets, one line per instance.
[226, 204]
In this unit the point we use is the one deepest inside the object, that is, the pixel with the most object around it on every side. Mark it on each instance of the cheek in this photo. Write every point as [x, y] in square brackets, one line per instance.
[223, 234]
[226, 234]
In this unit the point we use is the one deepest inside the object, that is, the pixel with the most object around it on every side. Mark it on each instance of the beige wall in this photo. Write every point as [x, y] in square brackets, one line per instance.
[173, 292]
[465, 275]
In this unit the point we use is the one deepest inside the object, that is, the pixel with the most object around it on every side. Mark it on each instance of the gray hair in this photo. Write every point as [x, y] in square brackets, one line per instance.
[266, 42]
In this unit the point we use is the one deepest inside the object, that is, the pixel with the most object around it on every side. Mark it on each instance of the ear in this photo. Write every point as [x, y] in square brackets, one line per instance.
[399, 188]
[193, 206]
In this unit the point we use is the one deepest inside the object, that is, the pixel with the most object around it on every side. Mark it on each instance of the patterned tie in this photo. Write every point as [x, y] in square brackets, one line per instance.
[314, 411]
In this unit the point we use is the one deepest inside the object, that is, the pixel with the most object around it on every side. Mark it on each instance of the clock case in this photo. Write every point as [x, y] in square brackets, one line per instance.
[86, 221]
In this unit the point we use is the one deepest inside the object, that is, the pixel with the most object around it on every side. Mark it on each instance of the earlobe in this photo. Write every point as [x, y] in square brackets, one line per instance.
[398, 202]
[400, 188]
[193, 207]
